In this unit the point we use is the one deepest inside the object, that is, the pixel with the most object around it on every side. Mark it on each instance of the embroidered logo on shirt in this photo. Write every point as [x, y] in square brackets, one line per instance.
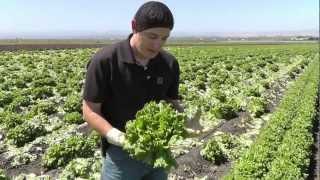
[159, 80]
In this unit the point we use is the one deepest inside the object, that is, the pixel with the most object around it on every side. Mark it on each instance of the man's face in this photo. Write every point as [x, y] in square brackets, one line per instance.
[150, 41]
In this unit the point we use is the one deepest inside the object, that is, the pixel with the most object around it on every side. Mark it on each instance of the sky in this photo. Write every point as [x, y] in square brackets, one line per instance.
[73, 17]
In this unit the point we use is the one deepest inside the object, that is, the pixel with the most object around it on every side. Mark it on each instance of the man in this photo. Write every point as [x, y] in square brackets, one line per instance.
[121, 79]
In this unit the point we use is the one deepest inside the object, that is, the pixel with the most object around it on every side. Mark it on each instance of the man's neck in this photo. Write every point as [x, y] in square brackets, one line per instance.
[138, 57]
[142, 62]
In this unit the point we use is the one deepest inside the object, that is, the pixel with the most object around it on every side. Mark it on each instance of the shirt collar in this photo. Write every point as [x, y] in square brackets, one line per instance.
[126, 52]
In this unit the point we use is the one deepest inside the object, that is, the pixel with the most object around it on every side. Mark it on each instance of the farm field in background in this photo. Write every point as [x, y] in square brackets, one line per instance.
[249, 98]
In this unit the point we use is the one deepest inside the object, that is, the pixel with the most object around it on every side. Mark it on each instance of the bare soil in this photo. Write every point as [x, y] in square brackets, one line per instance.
[192, 164]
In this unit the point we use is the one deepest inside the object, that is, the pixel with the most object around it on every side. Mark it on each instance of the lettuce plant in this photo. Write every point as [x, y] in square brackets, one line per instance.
[148, 136]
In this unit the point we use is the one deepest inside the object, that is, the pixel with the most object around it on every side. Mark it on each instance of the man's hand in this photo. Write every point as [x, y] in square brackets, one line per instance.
[84, 128]
[193, 126]
[115, 137]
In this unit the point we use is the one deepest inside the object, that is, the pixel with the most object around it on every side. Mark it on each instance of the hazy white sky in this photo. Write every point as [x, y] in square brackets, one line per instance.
[101, 16]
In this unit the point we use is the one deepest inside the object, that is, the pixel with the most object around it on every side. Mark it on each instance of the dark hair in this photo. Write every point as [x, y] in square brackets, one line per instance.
[153, 14]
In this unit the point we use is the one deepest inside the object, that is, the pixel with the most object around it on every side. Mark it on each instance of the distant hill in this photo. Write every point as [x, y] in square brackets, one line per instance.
[114, 35]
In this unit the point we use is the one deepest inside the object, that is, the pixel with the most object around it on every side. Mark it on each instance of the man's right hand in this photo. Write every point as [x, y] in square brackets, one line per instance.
[92, 115]
[193, 126]
[115, 137]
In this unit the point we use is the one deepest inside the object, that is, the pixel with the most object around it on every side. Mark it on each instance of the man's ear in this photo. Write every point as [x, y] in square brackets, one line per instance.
[134, 26]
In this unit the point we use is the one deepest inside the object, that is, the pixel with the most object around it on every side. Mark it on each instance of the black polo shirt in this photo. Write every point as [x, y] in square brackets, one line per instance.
[123, 87]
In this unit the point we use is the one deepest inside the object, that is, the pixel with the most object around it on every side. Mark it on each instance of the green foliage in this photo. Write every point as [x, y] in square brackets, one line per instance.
[11, 119]
[5, 98]
[73, 118]
[26, 78]
[219, 95]
[72, 147]
[44, 107]
[266, 84]
[224, 111]
[3, 175]
[44, 82]
[19, 83]
[212, 152]
[17, 103]
[262, 64]
[282, 149]
[228, 141]
[148, 136]
[81, 168]
[229, 67]
[42, 92]
[262, 74]
[73, 103]
[254, 90]
[27, 131]
[274, 67]
[231, 145]
[257, 106]
[248, 68]
[63, 89]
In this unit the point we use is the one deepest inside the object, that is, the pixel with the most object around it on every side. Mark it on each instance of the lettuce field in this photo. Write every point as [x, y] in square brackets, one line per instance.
[257, 105]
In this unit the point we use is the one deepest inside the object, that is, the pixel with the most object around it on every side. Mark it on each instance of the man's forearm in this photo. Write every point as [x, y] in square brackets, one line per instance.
[91, 113]
[95, 120]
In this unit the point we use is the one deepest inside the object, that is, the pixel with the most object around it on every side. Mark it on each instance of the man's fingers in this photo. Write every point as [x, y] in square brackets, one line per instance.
[84, 128]
[192, 131]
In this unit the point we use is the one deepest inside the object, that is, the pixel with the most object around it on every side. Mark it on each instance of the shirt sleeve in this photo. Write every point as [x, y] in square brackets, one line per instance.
[173, 91]
[96, 86]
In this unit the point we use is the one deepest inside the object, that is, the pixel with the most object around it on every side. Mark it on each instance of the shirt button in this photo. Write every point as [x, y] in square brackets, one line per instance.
[145, 67]
[148, 77]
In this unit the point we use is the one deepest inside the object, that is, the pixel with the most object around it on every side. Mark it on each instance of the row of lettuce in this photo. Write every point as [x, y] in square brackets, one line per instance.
[40, 94]
[283, 148]
[227, 87]
[40, 108]
[222, 82]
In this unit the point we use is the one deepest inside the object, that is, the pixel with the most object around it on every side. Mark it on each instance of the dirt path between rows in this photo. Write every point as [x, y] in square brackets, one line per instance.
[192, 165]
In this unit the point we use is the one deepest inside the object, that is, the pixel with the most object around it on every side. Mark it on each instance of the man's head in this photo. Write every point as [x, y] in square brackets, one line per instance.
[151, 27]
[153, 14]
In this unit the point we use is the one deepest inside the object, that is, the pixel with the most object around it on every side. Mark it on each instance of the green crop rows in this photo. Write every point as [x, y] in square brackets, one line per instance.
[282, 150]
[40, 105]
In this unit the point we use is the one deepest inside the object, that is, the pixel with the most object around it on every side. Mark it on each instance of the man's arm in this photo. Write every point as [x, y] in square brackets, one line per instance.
[92, 115]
